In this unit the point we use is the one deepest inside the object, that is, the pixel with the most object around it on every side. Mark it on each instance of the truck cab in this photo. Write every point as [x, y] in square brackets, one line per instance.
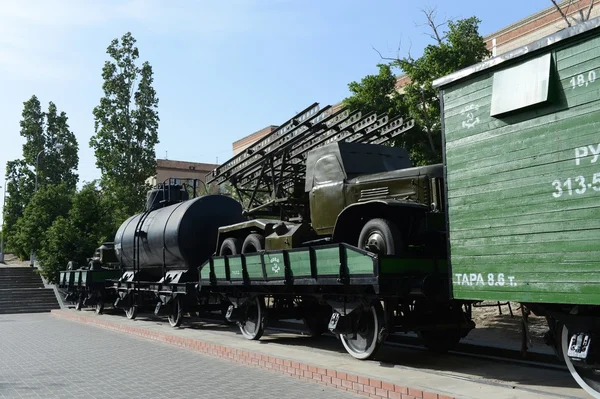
[349, 184]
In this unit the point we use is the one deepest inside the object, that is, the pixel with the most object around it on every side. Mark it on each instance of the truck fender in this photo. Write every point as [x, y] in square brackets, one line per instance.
[351, 220]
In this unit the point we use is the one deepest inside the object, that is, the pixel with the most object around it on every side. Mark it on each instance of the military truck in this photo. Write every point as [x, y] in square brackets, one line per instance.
[326, 177]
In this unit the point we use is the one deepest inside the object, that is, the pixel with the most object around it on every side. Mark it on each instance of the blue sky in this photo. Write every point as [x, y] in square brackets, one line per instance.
[223, 69]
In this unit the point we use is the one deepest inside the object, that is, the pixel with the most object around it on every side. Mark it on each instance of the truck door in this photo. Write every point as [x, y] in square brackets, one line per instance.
[327, 194]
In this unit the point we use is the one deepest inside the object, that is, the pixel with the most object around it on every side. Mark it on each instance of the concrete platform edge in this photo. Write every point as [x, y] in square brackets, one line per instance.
[364, 386]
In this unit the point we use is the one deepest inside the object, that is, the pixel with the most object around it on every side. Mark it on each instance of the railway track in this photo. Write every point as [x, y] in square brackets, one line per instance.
[405, 341]
[412, 342]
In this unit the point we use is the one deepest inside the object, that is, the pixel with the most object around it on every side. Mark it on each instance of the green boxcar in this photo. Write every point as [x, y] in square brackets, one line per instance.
[522, 154]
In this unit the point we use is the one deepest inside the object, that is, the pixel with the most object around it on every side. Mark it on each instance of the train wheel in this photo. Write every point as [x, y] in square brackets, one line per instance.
[380, 236]
[131, 312]
[369, 323]
[253, 327]
[253, 243]
[231, 246]
[176, 316]
[587, 378]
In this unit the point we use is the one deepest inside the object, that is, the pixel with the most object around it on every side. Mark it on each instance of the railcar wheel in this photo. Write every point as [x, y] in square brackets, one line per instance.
[380, 236]
[131, 312]
[253, 327]
[587, 378]
[368, 326]
[231, 246]
[253, 243]
[176, 316]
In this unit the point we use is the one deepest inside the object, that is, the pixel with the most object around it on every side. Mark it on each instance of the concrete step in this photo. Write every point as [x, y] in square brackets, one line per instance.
[24, 278]
[26, 292]
[21, 284]
[21, 302]
[27, 298]
[22, 291]
[20, 278]
[18, 271]
[32, 309]
[45, 300]
[43, 294]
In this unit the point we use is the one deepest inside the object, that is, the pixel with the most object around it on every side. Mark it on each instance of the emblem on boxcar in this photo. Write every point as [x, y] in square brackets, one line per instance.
[471, 120]
[275, 265]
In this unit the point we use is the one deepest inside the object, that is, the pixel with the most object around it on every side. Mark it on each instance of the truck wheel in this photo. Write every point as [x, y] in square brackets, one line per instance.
[253, 243]
[381, 237]
[231, 246]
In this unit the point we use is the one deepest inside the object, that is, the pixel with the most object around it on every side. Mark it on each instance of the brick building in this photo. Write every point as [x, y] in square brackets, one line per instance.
[245, 142]
[538, 25]
[518, 34]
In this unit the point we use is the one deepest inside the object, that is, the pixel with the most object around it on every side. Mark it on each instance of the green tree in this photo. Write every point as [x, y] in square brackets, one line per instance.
[376, 93]
[77, 234]
[48, 203]
[126, 127]
[458, 47]
[19, 188]
[42, 131]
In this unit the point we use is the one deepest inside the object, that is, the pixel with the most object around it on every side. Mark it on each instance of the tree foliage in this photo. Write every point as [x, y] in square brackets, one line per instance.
[376, 93]
[75, 235]
[126, 126]
[48, 203]
[42, 131]
[19, 188]
[458, 47]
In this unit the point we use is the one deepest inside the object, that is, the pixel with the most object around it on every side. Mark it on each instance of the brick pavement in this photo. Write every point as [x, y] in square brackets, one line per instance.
[396, 373]
[43, 356]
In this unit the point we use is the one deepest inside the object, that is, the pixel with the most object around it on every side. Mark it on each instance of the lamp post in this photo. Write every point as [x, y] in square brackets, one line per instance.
[2, 238]
[37, 163]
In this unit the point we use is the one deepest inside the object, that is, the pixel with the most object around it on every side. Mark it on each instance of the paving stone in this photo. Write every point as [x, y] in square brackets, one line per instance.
[43, 356]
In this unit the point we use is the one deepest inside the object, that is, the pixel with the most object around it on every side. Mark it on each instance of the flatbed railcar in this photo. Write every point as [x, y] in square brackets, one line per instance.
[344, 233]
[336, 229]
